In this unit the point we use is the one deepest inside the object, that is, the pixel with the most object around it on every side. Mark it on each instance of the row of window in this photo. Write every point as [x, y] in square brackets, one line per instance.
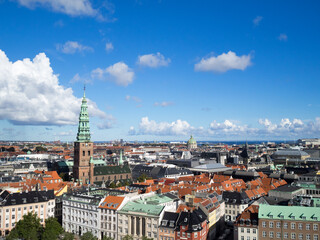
[249, 230]
[249, 238]
[299, 236]
[25, 208]
[292, 225]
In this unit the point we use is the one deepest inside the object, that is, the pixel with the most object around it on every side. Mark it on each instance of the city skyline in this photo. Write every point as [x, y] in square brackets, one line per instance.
[159, 70]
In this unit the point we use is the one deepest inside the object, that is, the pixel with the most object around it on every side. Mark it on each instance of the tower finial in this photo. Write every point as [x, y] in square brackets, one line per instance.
[84, 90]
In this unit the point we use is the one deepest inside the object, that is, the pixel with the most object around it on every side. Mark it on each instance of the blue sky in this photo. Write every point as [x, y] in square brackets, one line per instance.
[160, 70]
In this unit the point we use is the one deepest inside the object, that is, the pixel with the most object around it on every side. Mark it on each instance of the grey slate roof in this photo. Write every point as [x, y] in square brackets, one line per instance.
[7, 199]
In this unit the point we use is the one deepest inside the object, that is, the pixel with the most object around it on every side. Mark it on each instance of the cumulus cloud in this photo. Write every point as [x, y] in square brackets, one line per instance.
[153, 60]
[228, 127]
[119, 73]
[30, 94]
[70, 7]
[71, 47]
[109, 47]
[163, 104]
[223, 63]
[151, 127]
[256, 21]
[283, 37]
[286, 128]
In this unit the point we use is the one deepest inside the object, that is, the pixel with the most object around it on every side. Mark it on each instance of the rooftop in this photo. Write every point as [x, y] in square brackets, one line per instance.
[298, 213]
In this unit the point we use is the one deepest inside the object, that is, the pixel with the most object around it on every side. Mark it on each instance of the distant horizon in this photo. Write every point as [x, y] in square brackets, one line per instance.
[166, 141]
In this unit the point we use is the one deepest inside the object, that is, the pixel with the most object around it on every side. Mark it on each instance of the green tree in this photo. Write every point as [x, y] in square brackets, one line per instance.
[145, 238]
[52, 230]
[107, 238]
[67, 236]
[28, 228]
[142, 177]
[112, 185]
[88, 236]
[127, 237]
[41, 149]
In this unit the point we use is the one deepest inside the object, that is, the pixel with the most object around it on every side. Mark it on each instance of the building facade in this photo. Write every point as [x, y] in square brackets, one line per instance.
[81, 214]
[289, 222]
[14, 205]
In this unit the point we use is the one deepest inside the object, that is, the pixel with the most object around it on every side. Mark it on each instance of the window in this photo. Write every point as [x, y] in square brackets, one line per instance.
[242, 230]
[300, 226]
[88, 153]
[285, 225]
[264, 234]
[285, 235]
[300, 236]
[315, 227]
[83, 153]
[270, 224]
[307, 227]
[248, 230]
[248, 238]
[308, 237]
[254, 230]
[278, 235]
[278, 225]
[271, 234]
[293, 226]
[315, 237]
[242, 237]
[264, 224]
[293, 236]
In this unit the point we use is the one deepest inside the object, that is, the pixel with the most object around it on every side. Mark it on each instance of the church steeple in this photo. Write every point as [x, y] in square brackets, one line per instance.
[84, 128]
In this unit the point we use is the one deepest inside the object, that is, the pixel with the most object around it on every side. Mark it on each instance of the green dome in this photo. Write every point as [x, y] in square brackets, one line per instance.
[192, 140]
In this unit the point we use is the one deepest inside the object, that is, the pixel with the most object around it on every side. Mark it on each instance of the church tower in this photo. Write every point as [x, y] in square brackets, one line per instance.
[83, 147]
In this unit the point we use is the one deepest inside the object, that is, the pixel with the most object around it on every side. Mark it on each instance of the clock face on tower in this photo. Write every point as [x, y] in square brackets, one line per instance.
[86, 144]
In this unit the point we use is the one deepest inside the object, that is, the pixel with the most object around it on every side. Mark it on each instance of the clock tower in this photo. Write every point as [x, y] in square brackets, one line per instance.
[83, 147]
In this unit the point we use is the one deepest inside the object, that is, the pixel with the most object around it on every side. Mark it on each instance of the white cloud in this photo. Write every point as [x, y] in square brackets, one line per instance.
[71, 47]
[267, 124]
[283, 37]
[288, 127]
[151, 127]
[153, 60]
[119, 73]
[69, 7]
[30, 94]
[109, 47]
[223, 63]
[133, 98]
[163, 104]
[229, 129]
[256, 21]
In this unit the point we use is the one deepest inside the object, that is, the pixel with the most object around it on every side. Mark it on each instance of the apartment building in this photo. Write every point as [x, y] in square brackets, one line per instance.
[289, 222]
[246, 225]
[80, 214]
[14, 205]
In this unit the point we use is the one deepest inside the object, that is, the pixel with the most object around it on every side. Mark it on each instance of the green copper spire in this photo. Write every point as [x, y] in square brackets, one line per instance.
[84, 128]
